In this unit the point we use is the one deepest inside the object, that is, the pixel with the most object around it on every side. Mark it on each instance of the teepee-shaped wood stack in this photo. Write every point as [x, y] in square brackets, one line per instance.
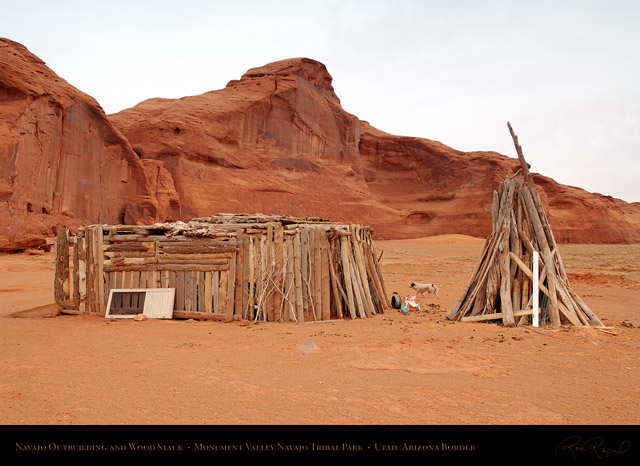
[501, 287]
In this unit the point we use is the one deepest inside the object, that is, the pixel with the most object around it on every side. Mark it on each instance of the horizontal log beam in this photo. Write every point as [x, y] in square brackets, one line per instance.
[495, 316]
[198, 315]
[170, 267]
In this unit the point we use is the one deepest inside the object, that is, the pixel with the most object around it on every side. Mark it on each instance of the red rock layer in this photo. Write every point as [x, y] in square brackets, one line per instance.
[61, 159]
[440, 191]
[276, 141]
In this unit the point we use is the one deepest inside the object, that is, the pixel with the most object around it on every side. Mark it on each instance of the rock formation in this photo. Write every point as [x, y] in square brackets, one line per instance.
[61, 159]
[276, 141]
[440, 190]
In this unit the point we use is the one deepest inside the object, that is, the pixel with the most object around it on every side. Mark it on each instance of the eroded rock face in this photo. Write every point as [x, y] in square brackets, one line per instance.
[61, 159]
[440, 191]
[578, 216]
[276, 141]
[434, 188]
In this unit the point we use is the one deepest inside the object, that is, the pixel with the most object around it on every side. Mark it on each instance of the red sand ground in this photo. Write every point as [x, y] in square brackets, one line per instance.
[411, 369]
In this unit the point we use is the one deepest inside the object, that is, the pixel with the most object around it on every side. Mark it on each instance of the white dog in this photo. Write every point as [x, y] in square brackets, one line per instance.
[421, 288]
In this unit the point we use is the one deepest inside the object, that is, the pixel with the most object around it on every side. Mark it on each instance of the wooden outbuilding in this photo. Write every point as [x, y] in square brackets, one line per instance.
[225, 267]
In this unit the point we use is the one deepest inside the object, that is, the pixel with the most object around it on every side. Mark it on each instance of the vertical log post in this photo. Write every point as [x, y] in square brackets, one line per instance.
[297, 273]
[346, 271]
[76, 273]
[505, 280]
[95, 275]
[315, 239]
[61, 280]
[239, 276]
[230, 297]
[325, 274]
[535, 292]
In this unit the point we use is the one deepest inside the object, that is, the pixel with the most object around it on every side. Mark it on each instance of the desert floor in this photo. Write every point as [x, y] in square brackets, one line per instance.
[392, 369]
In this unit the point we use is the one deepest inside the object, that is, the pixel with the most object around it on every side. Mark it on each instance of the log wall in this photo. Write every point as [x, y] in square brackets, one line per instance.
[228, 268]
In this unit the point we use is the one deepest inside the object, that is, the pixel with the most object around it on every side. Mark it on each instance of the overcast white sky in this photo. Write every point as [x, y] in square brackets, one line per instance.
[565, 73]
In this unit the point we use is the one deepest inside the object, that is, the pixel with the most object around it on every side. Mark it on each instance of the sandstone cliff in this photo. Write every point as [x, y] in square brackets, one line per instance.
[440, 190]
[275, 141]
[61, 159]
[278, 141]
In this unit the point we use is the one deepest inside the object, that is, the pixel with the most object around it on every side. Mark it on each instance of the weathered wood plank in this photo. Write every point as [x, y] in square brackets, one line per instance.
[120, 255]
[245, 245]
[190, 291]
[208, 292]
[495, 316]
[61, 279]
[268, 257]
[171, 279]
[297, 273]
[279, 252]
[346, 272]
[356, 290]
[143, 278]
[252, 278]
[516, 294]
[90, 304]
[222, 293]
[216, 292]
[314, 238]
[165, 267]
[325, 274]
[231, 291]
[187, 241]
[506, 305]
[338, 293]
[201, 291]
[289, 281]
[197, 249]
[181, 314]
[239, 278]
[95, 275]
[77, 245]
[180, 290]
[102, 297]
[306, 278]
[135, 279]
[161, 279]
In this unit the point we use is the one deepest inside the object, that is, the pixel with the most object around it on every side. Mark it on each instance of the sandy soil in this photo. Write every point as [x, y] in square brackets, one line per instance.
[416, 369]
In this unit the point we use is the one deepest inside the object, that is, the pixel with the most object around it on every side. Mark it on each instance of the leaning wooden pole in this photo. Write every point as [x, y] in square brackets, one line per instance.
[536, 213]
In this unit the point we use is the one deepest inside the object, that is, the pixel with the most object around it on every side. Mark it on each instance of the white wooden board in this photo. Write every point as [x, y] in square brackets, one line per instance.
[158, 303]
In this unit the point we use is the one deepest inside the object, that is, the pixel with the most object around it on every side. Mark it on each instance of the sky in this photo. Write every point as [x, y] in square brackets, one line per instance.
[564, 73]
